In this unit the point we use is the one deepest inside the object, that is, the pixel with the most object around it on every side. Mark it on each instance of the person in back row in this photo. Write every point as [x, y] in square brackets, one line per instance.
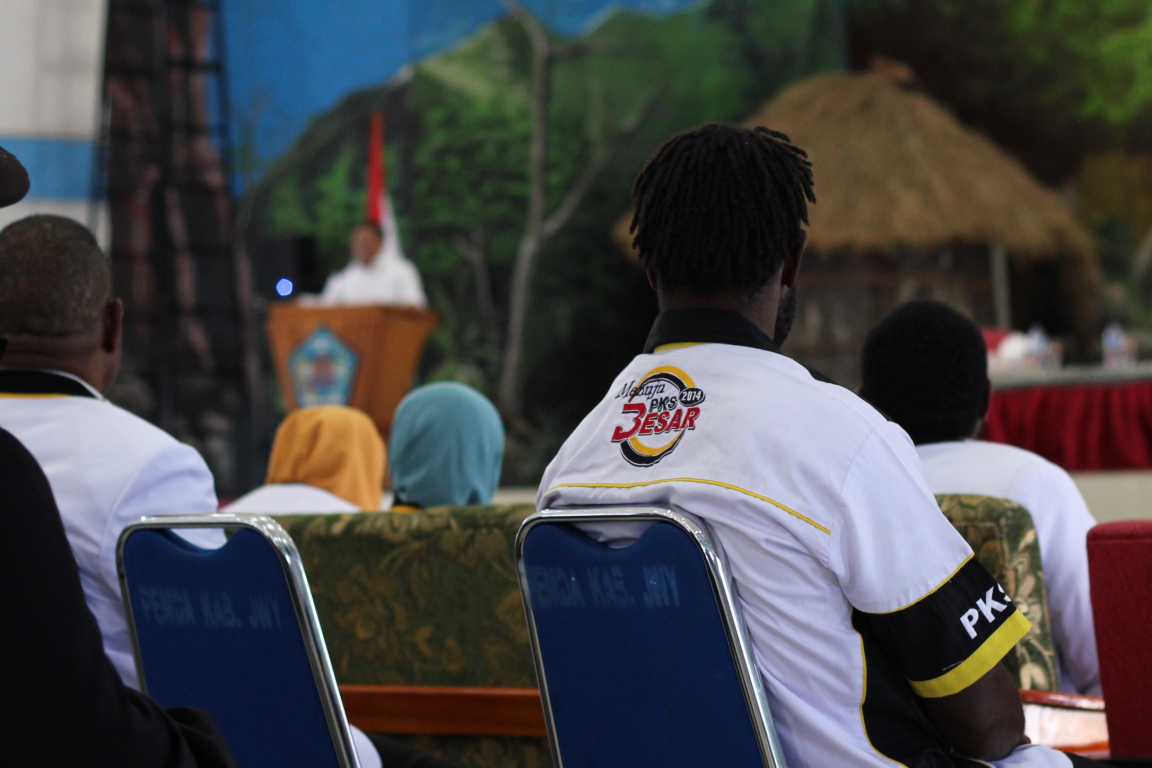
[329, 458]
[107, 468]
[878, 635]
[926, 367]
[326, 459]
[447, 448]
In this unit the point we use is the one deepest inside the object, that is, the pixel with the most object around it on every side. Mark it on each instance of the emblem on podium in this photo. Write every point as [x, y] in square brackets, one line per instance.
[322, 368]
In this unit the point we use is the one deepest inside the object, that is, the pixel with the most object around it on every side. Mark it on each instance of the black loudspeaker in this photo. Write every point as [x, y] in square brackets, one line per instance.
[286, 267]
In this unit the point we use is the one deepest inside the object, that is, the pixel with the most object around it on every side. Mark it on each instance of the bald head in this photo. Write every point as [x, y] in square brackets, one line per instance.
[56, 305]
[54, 280]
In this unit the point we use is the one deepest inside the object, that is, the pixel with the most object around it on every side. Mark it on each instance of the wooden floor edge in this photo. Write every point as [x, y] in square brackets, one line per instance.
[1063, 700]
[1099, 750]
[403, 709]
[465, 711]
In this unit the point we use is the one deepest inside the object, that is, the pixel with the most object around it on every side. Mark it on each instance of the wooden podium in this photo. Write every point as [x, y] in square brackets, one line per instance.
[363, 356]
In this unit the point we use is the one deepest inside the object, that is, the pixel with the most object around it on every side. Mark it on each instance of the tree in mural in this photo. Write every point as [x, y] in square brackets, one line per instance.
[1104, 47]
[1050, 80]
[543, 225]
[471, 191]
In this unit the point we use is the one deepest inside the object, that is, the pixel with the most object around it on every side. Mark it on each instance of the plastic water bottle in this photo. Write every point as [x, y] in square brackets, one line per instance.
[1037, 347]
[1117, 346]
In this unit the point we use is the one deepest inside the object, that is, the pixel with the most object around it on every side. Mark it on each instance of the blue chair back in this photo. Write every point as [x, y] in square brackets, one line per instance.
[234, 631]
[640, 651]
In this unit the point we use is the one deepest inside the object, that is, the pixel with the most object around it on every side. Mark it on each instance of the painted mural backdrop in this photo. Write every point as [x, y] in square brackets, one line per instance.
[455, 83]
[292, 59]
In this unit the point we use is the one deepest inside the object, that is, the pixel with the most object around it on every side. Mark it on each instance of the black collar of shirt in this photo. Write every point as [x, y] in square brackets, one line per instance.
[26, 381]
[707, 326]
[700, 325]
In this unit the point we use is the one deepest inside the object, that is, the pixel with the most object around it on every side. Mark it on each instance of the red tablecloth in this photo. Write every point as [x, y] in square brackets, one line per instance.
[1078, 426]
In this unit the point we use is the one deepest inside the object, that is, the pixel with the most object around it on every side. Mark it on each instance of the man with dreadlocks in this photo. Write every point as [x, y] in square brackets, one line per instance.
[877, 634]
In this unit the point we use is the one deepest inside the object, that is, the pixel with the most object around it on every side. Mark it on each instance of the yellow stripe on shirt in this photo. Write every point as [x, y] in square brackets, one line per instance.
[22, 396]
[716, 483]
[678, 345]
[978, 664]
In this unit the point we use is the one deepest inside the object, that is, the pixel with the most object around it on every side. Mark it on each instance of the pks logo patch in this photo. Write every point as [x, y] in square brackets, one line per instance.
[663, 406]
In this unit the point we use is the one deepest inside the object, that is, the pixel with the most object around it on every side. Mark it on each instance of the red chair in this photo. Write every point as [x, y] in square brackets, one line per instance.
[1120, 564]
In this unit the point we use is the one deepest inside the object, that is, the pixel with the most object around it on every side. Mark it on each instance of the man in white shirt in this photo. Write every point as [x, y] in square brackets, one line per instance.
[926, 367]
[106, 467]
[877, 633]
[378, 273]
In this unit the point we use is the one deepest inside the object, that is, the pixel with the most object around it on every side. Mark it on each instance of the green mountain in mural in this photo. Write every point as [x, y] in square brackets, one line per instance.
[458, 128]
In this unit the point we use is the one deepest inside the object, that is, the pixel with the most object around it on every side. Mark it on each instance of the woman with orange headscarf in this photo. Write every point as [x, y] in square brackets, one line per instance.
[324, 459]
[332, 459]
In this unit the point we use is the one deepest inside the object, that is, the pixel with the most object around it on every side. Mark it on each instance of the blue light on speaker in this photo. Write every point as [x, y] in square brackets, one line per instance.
[284, 286]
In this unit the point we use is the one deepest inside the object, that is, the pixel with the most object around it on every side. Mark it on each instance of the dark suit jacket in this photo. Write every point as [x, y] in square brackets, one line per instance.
[61, 701]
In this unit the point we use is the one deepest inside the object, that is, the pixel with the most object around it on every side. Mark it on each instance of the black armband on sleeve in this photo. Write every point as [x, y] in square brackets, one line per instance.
[951, 637]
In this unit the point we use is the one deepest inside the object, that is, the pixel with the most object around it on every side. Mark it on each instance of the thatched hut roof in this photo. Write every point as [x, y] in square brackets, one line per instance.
[895, 169]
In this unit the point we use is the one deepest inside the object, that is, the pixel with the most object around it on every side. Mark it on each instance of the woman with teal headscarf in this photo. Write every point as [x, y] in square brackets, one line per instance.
[447, 448]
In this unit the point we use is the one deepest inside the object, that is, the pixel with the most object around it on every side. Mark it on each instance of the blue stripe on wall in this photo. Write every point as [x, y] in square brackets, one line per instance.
[60, 169]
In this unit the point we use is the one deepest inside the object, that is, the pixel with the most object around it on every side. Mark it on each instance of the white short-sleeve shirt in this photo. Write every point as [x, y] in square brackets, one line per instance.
[390, 279]
[1062, 523]
[107, 468]
[290, 498]
[858, 594]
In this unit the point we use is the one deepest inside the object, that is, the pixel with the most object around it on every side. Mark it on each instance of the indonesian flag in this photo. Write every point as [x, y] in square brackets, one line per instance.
[379, 203]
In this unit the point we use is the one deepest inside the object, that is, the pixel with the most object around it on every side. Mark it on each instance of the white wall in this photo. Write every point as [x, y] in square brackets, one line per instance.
[51, 61]
[1123, 495]
[51, 56]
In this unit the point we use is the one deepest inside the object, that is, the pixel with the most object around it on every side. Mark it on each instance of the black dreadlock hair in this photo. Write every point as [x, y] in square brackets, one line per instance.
[925, 365]
[719, 208]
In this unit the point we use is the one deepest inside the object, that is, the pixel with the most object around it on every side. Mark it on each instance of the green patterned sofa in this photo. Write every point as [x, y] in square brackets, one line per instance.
[427, 599]
[431, 599]
[1003, 537]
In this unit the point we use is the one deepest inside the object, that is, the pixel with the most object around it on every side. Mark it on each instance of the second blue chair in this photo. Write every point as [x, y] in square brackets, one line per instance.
[641, 654]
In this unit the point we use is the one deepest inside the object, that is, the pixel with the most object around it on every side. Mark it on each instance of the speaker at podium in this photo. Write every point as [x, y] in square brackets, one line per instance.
[362, 356]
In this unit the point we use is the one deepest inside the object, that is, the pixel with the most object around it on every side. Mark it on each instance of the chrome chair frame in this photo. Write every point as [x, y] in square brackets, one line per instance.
[742, 656]
[301, 595]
